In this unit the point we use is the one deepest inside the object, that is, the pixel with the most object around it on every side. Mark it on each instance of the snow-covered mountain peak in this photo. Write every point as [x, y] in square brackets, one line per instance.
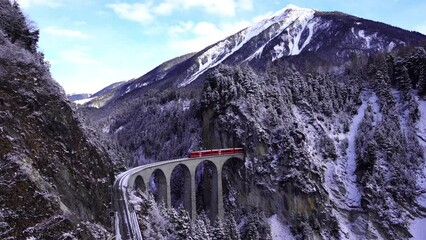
[213, 56]
[291, 34]
[290, 8]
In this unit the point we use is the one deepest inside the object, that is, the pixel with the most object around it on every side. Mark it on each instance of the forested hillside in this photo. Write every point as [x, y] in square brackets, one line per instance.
[334, 154]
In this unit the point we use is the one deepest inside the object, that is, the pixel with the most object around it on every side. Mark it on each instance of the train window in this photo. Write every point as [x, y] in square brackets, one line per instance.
[206, 153]
[239, 150]
[227, 151]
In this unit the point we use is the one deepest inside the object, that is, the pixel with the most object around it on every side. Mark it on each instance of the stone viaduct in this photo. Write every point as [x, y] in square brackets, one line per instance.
[139, 177]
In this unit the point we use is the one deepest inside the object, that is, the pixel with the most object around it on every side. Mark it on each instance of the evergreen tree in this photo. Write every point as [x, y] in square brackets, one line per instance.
[249, 231]
[155, 222]
[16, 26]
[217, 232]
[231, 228]
[262, 226]
[203, 216]
[182, 225]
[199, 230]
[403, 80]
[390, 67]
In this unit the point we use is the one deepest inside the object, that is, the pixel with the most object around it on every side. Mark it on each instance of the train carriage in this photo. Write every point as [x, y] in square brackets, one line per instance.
[214, 152]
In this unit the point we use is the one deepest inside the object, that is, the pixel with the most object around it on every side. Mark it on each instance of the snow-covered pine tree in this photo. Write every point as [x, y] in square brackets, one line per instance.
[262, 225]
[199, 230]
[403, 80]
[182, 225]
[154, 223]
[249, 231]
[217, 232]
[231, 228]
[15, 25]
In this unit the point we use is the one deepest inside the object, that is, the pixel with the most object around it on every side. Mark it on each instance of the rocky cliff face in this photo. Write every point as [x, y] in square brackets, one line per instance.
[53, 178]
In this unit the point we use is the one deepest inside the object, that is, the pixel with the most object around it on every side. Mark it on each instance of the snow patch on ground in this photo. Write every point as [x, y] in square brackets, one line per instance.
[186, 104]
[83, 101]
[421, 124]
[353, 32]
[353, 194]
[69, 235]
[279, 231]
[279, 51]
[293, 37]
[417, 227]
[295, 49]
[135, 201]
[256, 54]
[391, 46]
[340, 176]
[106, 128]
[367, 39]
[345, 226]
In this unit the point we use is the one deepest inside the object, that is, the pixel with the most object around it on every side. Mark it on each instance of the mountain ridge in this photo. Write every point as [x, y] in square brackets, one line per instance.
[290, 32]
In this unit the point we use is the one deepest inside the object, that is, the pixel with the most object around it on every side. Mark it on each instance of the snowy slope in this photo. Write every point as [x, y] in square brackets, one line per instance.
[291, 33]
[279, 230]
[343, 172]
[283, 18]
[417, 227]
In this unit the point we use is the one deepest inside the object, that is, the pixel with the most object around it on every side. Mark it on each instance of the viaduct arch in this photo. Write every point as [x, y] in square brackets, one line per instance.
[125, 222]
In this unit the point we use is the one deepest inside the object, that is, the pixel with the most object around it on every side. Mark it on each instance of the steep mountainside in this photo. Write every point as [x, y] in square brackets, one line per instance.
[308, 36]
[329, 108]
[345, 154]
[53, 178]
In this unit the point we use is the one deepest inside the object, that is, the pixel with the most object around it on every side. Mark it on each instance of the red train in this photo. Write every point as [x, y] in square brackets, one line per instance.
[214, 152]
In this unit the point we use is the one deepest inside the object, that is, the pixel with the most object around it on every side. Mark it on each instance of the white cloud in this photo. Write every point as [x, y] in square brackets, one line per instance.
[139, 12]
[206, 29]
[165, 8]
[87, 79]
[202, 34]
[220, 7]
[182, 27]
[78, 55]
[62, 32]
[145, 12]
[31, 3]
[245, 4]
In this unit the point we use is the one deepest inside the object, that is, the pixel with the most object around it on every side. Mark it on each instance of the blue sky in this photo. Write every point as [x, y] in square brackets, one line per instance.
[93, 43]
